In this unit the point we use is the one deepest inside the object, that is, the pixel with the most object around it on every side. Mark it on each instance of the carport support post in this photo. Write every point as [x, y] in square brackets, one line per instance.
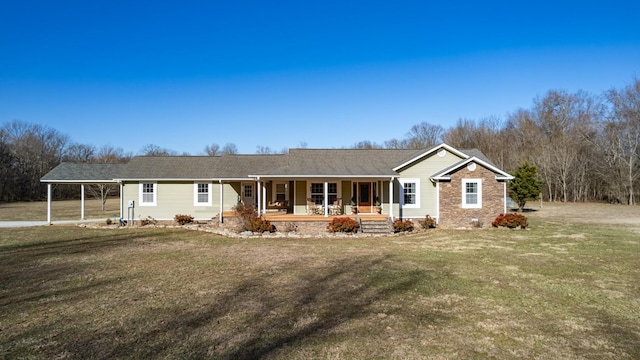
[49, 203]
[82, 201]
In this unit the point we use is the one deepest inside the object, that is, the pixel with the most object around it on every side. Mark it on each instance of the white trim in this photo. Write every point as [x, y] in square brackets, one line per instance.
[442, 175]
[196, 193]
[141, 195]
[415, 181]
[464, 194]
[426, 153]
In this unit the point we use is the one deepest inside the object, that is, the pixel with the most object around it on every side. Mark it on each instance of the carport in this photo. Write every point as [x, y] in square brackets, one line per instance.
[81, 174]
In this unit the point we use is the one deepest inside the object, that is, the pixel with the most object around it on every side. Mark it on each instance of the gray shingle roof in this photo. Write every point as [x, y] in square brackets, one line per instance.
[339, 162]
[170, 167]
[297, 163]
[83, 172]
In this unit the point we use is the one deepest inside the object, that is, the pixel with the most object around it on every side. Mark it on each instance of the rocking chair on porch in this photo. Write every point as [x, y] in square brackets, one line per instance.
[311, 207]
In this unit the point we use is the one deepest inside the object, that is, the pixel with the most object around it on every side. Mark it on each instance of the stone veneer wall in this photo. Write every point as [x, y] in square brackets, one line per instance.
[452, 215]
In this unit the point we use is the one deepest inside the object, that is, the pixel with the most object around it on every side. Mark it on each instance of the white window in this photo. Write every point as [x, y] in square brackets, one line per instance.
[410, 193]
[202, 194]
[280, 193]
[471, 193]
[317, 192]
[148, 194]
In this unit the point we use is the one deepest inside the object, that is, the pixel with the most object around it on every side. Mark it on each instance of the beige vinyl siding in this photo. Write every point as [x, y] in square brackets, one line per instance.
[177, 198]
[301, 198]
[231, 192]
[422, 170]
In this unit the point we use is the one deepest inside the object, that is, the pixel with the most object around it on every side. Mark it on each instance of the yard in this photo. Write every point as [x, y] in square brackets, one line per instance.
[569, 287]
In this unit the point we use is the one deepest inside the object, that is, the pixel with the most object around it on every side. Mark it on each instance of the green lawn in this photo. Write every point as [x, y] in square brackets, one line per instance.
[562, 289]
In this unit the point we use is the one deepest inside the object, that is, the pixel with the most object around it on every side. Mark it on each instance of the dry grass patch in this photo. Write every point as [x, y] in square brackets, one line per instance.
[70, 292]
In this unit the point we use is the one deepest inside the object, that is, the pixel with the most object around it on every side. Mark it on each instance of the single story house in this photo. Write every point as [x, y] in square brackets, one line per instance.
[456, 187]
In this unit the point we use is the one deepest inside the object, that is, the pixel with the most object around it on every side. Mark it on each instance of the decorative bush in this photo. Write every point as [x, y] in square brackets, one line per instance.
[428, 222]
[183, 219]
[249, 220]
[259, 225]
[510, 221]
[343, 224]
[402, 226]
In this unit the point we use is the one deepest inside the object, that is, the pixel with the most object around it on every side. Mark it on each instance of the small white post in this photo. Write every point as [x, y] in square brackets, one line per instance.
[49, 203]
[81, 201]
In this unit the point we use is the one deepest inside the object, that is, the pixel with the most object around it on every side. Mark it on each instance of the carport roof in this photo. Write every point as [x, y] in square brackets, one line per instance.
[69, 172]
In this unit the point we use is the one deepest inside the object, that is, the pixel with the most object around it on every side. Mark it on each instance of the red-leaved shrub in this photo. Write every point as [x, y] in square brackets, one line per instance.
[343, 224]
[510, 221]
[183, 219]
[402, 226]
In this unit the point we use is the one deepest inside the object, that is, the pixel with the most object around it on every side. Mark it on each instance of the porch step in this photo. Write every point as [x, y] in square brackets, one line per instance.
[375, 226]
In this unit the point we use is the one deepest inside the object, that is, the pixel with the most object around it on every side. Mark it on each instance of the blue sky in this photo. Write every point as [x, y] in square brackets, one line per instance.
[186, 74]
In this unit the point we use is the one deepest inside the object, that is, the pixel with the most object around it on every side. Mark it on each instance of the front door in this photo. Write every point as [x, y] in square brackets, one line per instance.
[248, 194]
[364, 197]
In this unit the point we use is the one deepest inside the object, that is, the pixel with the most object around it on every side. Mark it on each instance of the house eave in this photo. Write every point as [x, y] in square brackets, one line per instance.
[422, 155]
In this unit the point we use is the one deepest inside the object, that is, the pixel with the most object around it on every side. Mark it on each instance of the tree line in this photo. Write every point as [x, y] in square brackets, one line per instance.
[585, 146]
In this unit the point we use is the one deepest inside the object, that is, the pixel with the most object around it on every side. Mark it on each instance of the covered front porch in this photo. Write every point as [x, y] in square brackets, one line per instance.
[322, 197]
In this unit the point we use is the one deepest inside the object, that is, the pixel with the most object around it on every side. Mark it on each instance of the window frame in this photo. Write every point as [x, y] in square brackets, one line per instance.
[331, 196]
[154, 187]
[197, 193]
[403, 186]
[465, 204]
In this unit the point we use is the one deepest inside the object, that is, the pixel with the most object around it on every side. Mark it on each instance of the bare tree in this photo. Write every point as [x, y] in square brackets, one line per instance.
[260, 149]
[424, 135]
[155, 150]
[212, 150]
[107, 155]
[36, 150]
[366, 144]
[623, 134]
[79, 153]
[229, 149]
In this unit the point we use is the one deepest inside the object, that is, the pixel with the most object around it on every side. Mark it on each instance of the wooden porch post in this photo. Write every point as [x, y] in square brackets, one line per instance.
[326, 198]
[221, 200]
[259, 190]
[264, 198]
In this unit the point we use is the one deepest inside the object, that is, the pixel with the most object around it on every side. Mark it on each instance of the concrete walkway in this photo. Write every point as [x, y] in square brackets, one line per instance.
[14, 224]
